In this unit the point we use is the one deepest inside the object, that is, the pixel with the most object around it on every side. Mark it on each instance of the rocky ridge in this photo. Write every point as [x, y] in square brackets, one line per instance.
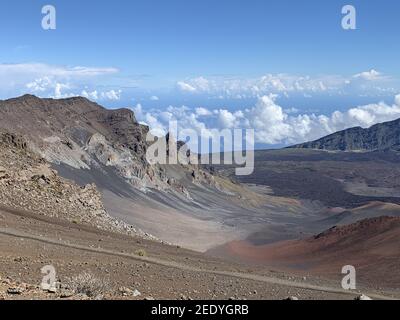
[380, 137]
[27, 182]
[84, 135]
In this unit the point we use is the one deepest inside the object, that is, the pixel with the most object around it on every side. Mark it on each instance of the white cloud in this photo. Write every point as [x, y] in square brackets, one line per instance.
[269, 121]
[111, 95]
[50, 80]
[58, 88]
[54, 89]
[93, 95]
[227, 119]
[40, 85]
[156, 127]
[241, 88]
[283, 84]
[51, 86]
[397, 100]
[201, 83]
[292, 110]
[185, 87]
[369, 75]
[102, 95]
[272, 124]
[154, 98]
[41, 69]
[203, 111]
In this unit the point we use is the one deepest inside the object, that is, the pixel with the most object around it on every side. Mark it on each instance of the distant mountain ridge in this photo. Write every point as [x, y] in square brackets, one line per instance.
[380, 137]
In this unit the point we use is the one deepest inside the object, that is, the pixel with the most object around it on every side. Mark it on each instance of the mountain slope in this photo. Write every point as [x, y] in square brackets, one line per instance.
[382, 136]
[181, 204]
[370, 245]
[84, 135]
[27, 182]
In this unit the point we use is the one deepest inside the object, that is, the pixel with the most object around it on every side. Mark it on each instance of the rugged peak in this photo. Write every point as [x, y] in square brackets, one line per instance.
[77, 99]
[123, 114]
[382, 136]
[84, 135]
[30, 98]
[24, 98]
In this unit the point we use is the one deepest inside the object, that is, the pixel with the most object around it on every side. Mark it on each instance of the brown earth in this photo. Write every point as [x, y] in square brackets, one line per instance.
[371, 246]
[125, 263]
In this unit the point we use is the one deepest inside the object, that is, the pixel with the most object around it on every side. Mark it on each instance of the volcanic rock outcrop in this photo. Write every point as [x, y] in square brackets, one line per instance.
[84, 135]
[382, 137]
[28, 183]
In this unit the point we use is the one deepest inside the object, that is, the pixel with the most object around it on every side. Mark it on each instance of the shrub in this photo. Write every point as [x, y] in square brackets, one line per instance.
[141, 253]
[86, 283]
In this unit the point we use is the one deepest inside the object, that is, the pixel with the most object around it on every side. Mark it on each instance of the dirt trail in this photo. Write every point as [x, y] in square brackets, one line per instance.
[183, 267]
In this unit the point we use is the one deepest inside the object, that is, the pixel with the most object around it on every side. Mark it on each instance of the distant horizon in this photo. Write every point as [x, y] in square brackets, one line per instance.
[257, 148]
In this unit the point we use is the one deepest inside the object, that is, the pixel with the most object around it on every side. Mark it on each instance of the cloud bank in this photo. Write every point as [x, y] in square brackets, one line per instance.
[55, 81]
[272, 123]
[285, 84]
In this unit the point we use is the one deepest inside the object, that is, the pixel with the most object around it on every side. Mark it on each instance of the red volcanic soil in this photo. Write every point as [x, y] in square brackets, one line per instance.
[372, 246]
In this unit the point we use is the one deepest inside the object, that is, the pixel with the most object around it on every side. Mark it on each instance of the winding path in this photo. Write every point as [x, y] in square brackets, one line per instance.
[183, 267]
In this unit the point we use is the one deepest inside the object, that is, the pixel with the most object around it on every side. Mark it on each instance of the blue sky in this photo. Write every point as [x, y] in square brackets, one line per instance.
[223, 56]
